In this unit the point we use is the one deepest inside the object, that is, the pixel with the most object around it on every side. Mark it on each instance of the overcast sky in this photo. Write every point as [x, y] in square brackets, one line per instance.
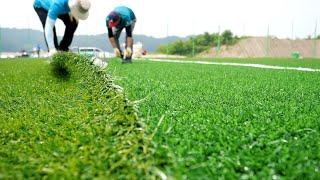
[160, 18]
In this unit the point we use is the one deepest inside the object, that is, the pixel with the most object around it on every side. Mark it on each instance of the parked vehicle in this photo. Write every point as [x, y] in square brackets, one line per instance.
[91, 52]
[24, 53]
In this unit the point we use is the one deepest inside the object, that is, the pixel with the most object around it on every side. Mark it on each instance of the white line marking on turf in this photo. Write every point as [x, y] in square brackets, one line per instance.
[239, 64]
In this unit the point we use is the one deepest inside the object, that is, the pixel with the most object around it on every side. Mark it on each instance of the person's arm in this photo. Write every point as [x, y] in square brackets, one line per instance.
[129, 41]
[49, 33]
[53, 13]
[111, 38]
[113, 43]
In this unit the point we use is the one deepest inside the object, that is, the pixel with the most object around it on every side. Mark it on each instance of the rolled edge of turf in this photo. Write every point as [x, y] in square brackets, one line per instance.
[131, 150]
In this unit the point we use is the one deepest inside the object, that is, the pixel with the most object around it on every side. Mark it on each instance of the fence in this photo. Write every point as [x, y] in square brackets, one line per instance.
[267, 46]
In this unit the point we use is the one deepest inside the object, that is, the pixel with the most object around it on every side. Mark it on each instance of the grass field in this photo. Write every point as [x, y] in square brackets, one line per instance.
[209, 121]
[233, 122]
[58, 128]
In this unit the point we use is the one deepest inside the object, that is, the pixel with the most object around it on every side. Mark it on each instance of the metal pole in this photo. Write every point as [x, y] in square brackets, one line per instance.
[219, 43]
[315, 42]
[267, 43]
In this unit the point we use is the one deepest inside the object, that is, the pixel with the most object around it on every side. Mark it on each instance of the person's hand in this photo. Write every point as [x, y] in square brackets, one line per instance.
[128, 52]
[73, 18]
[117, 52]
[52, 52]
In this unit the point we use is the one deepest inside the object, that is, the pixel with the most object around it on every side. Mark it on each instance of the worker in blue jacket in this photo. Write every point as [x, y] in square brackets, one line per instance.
[121, 18]
[69, 11]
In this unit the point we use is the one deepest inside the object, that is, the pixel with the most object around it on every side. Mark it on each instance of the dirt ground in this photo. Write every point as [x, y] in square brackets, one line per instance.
[256, 47]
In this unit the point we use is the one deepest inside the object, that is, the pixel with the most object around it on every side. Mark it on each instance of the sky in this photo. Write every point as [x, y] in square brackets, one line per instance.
[161, 18]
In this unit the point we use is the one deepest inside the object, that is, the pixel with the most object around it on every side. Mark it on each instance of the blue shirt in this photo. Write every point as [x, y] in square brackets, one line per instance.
[54, 7]
[127, 16]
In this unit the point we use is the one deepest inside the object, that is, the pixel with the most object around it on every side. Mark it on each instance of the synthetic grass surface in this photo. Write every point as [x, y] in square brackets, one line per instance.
[82, 126]
[229, 122]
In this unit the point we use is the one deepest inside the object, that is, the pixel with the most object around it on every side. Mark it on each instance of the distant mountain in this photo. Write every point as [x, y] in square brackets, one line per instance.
[12, 40]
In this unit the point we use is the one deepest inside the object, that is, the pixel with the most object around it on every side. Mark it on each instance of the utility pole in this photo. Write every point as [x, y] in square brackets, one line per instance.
[219, 43]
[315, 41]
[267, 43]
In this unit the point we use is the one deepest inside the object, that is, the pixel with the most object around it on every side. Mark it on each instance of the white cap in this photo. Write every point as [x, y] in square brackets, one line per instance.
[79, 8]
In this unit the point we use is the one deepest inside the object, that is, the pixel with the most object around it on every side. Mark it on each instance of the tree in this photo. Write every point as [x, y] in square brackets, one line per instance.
[227, 37]
[197, 43]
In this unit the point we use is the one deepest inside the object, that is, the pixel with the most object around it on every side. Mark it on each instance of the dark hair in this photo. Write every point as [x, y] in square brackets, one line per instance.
[114, 16]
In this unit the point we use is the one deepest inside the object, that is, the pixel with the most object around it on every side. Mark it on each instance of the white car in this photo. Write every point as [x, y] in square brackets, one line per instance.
[92, 52]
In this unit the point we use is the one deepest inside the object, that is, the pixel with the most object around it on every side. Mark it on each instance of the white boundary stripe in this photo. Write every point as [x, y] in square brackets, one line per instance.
[239, 64]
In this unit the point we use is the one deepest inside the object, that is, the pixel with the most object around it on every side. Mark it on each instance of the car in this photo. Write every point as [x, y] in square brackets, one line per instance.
[90, 52]
[24, 53]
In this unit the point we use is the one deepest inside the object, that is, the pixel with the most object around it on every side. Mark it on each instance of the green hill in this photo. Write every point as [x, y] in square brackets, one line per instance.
[18, 39]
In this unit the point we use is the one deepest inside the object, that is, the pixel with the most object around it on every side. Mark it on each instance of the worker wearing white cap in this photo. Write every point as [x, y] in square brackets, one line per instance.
[69, 11]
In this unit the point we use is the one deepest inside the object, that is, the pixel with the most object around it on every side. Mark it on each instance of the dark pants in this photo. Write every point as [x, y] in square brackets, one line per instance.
[117, 32]
[71, 27]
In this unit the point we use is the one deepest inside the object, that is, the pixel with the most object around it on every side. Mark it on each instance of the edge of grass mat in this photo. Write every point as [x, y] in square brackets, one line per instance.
[108, 139]
[130, 147]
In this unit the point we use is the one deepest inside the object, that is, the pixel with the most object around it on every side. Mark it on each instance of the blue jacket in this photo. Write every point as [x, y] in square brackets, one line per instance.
[54, 7]
[127, 16]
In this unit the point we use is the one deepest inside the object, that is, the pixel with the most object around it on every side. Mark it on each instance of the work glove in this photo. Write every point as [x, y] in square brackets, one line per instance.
[117, 52]
[52, 52]
[128, 52]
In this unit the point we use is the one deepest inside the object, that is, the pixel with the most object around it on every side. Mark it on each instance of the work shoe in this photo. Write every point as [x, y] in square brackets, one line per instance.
[125, 61]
